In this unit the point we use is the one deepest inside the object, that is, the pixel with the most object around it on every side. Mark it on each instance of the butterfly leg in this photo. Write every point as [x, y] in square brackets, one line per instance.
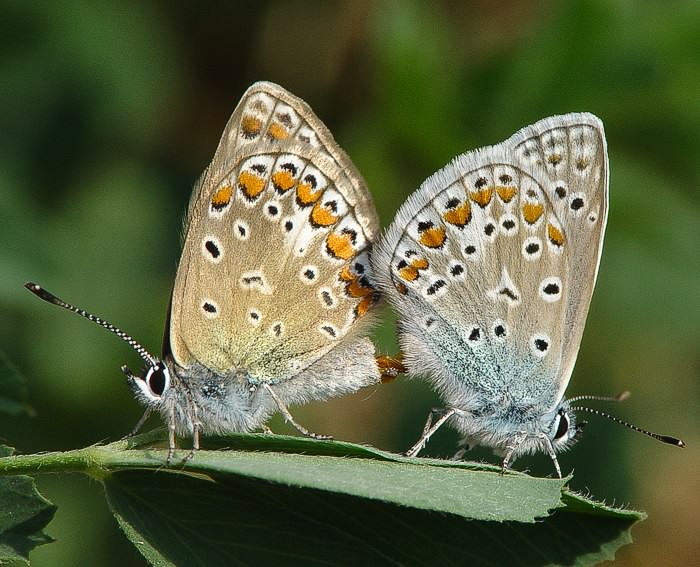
[430, 428]
[552, 455]
[171, 439]
[139, 423]
[196, 424]
[513, 444]
[463, 448]
[289, 419]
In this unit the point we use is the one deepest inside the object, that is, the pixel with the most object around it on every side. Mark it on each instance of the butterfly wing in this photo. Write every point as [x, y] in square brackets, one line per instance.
[492, 270]
[273, 269]
[569, 156]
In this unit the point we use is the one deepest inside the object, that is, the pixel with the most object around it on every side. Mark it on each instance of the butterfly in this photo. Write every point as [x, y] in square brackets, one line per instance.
[272, 299]
[491, 265]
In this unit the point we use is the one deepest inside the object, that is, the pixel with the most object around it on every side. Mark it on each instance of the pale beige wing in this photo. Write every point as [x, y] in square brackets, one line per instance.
[569, 157]
[273, 270]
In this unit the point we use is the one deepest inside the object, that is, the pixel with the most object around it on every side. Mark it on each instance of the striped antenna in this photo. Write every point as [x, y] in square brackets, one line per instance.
[40, 292]
[619, 398]
[663, 438]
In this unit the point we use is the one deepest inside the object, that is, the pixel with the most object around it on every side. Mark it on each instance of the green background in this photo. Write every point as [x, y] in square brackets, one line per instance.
[109, 111]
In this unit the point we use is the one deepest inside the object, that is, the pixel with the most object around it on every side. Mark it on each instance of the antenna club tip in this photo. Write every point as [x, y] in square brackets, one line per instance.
[41, 293]
[624, 396]
[672, 441]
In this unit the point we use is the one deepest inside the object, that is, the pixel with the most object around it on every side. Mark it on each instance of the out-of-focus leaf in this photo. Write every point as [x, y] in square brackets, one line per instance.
[24, 513]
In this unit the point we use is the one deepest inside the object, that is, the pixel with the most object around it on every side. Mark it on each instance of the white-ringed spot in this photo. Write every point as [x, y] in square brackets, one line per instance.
[210, 309]
[456, 270]
[475, 335]
[276, 329]
[561, 189]
[539, 344]
[532, 248]
[471, 252]
[508, 224]
[327, 298]
[288, 224]
[308, 274]
[241, 230]
[272, 210]
[308, 136]
[255, 281]
[212, 249]
[254, 317]
[490, 229]
[550, 289]
[592, 218]
[577, 204]
[499, 330]
[329, 330]
[436, 288]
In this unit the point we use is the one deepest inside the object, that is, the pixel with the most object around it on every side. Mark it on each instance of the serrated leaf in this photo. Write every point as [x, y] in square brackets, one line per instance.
[177, 519]
[289, 500]
[428, 484]
[24, 513]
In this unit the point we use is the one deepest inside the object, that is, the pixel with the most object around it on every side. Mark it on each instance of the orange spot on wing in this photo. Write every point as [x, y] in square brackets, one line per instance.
[554, 159]
[282, 180]
[364, 305]
[556, 236]
[346, 275]
[250, 126]
[505, 192]
[401, 288]
[306, 195]
[411, 272]
[221, 197]
[433, 237]
[358, 287]
[532, 212]
[251, 184]
[340, 245]
[460, 215]
[323, 216]
[277, 132]
[482, 197]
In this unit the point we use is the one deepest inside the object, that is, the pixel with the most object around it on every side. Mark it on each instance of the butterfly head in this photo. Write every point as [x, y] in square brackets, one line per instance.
[153, 385]
[564, 431]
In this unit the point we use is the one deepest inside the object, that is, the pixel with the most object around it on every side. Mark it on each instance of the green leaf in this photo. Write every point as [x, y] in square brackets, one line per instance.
[179, 519]
[13, 389]
[293, 501]
[24, 513]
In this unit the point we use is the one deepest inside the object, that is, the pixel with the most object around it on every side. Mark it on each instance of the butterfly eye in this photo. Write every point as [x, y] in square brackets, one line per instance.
[563, 427]
[158, 379]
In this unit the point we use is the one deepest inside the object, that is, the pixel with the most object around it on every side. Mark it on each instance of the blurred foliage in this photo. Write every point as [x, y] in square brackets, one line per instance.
[110, 111]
